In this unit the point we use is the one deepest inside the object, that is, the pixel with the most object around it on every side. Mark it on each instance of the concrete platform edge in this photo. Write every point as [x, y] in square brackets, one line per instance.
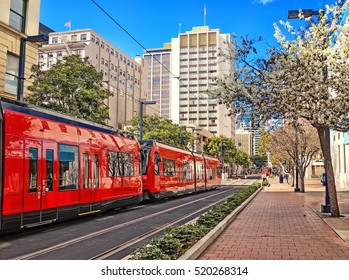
[199, 247]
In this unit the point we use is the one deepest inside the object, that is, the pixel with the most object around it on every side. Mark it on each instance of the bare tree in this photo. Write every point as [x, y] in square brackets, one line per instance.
[299, 151]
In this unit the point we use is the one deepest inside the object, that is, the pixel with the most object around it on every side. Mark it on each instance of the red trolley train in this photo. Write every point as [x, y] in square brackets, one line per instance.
[170, 171]
[56, 167]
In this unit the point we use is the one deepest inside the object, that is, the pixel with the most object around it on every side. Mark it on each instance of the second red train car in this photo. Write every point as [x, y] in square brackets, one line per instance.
[170, 171]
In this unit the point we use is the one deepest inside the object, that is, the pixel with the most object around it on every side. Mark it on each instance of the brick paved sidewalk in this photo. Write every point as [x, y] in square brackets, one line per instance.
[278, 225]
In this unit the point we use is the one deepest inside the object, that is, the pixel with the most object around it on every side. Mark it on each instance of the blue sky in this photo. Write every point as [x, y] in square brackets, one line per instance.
[154, 23]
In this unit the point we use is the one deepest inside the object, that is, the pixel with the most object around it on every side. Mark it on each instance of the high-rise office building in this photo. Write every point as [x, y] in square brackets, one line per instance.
[159, 77]
[194, 63]
[246, 123]
[122, 75]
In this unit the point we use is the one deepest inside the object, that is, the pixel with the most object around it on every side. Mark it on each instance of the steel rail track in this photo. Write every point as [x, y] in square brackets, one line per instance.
[144, 236]
[139, 238]
[107, 230]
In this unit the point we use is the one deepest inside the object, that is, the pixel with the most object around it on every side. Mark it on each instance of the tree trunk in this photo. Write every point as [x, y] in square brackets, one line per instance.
[293, 177]
[326, 150]
[301, 181]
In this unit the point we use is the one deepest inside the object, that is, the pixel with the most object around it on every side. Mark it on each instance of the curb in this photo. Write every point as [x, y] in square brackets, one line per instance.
[199, 247]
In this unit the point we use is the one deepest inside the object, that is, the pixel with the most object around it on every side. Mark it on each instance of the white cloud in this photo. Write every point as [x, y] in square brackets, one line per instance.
[264, 2]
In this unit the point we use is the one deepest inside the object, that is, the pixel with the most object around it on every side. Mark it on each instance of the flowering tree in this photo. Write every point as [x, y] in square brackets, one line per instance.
[303, 77]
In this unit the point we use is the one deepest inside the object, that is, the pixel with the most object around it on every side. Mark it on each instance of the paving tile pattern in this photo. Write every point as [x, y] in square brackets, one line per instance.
[278, 225]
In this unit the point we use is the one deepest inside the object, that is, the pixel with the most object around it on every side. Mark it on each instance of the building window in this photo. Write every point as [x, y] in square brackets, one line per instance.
[73, 37]
[339, 159]
[344, 159]
[83, 37]
[51, 64]
[93, 38]
[54, 40]
[11, 78]
[18, 14]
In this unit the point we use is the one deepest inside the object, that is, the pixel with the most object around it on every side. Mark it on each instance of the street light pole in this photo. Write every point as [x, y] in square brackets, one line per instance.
[292, 14]
[21, 66]
[221, 157]
[141, 103]
[325, 208]
[193, 129]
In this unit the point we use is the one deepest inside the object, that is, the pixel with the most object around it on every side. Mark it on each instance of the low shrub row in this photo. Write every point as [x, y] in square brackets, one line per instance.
[178, 239]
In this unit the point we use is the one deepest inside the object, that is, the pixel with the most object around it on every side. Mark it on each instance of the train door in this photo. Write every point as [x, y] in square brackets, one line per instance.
[90, 183]
[40, 186]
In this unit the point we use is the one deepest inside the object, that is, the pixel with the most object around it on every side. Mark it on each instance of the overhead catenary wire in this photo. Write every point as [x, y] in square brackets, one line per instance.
[154, 57]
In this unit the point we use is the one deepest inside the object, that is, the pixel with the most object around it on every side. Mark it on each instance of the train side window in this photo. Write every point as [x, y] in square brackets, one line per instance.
[218, 171]
[127, 164]
[86, 170]
[211, 173]
[180, 172]
[199, 171]
[68, 167]
[49, 170]
[113, 164]
[169, 167]
[157, 161]
[187, 172]
[33, 169]
[95, 171]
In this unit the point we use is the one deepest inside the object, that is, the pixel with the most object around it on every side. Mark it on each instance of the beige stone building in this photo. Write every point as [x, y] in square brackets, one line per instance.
[123, 75]
[18, 19]
[243, 141]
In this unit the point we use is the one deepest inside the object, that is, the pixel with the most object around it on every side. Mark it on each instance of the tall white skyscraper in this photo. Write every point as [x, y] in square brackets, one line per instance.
[194, 63]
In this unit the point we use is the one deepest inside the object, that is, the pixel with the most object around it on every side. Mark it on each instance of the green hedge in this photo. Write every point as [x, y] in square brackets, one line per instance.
[178, 239]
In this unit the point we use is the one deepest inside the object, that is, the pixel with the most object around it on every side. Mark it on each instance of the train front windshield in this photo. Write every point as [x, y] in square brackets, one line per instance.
[146, 146]
[145, 160]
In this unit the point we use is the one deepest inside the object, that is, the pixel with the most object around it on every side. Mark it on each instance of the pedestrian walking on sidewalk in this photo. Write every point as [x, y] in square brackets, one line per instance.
[287, 175]
[264, 176]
